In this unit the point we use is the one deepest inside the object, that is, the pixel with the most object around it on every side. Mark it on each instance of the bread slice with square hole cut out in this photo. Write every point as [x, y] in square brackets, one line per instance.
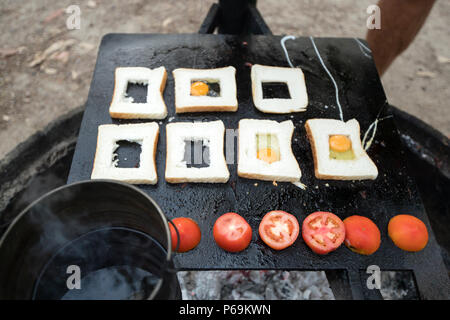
[123, 107]
[105, 162]
[212, 135]
[185, 102]
[325, 167]
[251, 167]
[295, 81]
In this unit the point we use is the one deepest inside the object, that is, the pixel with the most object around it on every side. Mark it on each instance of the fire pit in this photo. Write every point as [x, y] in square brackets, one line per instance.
[399, 193]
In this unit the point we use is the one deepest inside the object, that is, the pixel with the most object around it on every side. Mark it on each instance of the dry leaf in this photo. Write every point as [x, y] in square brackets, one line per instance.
[59, 45]
[63, 56]
[7, 52]
[40, 57]
[50, 71]
[86, 46]
[426, 74]
[92, 4]
[442, 59]
[75, 74]
[55, 14]
[167, 21]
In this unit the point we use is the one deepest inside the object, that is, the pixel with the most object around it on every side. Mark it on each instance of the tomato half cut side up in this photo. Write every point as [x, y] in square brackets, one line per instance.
[279, 229]
[323, 232]
[231, 232]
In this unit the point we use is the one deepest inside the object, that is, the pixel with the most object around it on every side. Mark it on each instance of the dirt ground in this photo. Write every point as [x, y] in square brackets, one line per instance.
[46, 69]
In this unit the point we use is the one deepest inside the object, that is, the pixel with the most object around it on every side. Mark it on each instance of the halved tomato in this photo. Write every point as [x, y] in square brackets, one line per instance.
[189, 231]
[231, 232]
[279, 229]
[323, 232]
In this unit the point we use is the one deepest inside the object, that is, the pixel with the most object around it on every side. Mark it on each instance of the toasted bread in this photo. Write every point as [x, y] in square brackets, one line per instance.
[123, 107]
[212, 135]
[251, 167]
[105, 167]
[359, 168]
[185, 102]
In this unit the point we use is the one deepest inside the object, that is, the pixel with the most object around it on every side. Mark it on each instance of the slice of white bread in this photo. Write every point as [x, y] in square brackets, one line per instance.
[249, 166]
[226, 101]
[319, 132]
[105, 162]
[294, 79]
[212, 135]
[123, 107]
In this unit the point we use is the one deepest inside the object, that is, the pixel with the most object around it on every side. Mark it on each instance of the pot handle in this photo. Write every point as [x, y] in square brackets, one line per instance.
[178, 235]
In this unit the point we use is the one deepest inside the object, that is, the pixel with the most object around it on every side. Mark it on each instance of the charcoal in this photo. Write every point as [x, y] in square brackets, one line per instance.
[254, 285]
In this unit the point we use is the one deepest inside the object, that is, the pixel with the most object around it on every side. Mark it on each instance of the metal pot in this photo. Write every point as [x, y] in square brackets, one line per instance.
[83, 236]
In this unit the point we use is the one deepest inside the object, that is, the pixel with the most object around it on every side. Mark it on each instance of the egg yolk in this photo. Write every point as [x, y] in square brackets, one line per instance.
[340, 143]
[199, 88]
[268, 155]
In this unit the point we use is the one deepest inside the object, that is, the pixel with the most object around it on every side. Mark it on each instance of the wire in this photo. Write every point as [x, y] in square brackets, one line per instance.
[331, 77]
[283, 40]
[362, 44]
[373, 125]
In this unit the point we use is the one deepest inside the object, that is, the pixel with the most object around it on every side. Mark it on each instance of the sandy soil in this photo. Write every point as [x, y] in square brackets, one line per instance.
[34, 92]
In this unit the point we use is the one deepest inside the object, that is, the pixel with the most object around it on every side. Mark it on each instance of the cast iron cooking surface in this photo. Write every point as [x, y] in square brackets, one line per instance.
[361, 96]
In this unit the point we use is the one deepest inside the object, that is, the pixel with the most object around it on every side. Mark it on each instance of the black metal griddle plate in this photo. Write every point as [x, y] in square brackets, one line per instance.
[362, 97]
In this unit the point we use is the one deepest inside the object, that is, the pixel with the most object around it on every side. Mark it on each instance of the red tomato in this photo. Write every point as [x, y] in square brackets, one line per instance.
[361, 235]
[408, 233]
[279, 229]
[189, 231]
[323, 232]
[232, 233]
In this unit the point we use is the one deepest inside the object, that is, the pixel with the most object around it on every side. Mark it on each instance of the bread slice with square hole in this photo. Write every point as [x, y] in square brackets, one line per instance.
[325, 167]
[292, 77]
[286, 169]
[124, 107]
[225, 102]
[212, 135]
[105, 162]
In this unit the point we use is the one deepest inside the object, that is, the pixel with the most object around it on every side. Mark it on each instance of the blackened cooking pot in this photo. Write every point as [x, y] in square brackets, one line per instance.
[94, 239]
